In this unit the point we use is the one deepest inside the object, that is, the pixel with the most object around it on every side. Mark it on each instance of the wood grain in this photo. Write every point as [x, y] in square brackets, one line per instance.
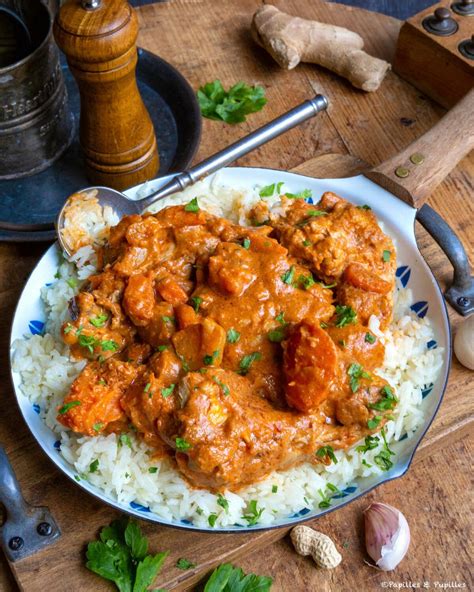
[214, 42]
[116, 131]
[441, 148]
[447, 74]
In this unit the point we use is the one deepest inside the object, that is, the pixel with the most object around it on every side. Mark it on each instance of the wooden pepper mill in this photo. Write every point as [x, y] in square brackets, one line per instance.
[116, 132]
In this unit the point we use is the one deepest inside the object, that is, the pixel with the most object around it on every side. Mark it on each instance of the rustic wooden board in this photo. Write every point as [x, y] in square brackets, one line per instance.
[206, 40]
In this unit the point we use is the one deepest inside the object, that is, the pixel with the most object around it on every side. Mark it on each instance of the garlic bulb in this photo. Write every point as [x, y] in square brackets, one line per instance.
[387, 535]
[464, 343]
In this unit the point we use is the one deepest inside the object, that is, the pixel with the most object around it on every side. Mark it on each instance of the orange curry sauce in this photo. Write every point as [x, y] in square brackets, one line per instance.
[236, 351]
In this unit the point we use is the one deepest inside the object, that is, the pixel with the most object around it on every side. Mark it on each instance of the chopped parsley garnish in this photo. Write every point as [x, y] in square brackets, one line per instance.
[102, 382]
[274, 488]
[162, 348]
[327, 451]
[307, 243]
[267, 191]
[196, 303]
[57, 275]
[183, 563]
[97, 427]
[356, 372]
[253, 513]
[210, 359]
[304, 194]
[345, 315]
[109, 345]
[167, 319]
[94, 466]
[230, 106]
[371, 442]
[323, 325]
[72, 283]
[366, 464]
[387, 402]
[222, 502]
[311, 214]
[280, 318]
[233, 336]
[287, 277]
[192, 206]
[212, 519]
[276, 336]
[386, 256]
[364, 207]
[99, 320]
[65, 408]
[382, 459]
[369, 338]
[374, 422]
[247, 361]
[88, 341]
[224, 387]
[326, 498]
[152, 470]
[182, 445]
[184, 363]
[68, 328]
[124, 440]
[246, 243]
[147, 387]
[342, 343]
[256, 223]
[121, 555]
[167, 391]
[227, 578]
[306, 281]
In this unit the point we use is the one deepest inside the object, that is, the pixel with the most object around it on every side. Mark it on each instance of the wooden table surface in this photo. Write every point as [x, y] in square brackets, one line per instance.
[208, 40]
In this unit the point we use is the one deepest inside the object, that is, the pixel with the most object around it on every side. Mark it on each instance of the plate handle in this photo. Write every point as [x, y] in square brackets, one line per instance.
[415, 172]
[460, 294]
[26, 529]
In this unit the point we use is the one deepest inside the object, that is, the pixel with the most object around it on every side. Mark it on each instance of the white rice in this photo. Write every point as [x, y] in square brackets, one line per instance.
[123, 472]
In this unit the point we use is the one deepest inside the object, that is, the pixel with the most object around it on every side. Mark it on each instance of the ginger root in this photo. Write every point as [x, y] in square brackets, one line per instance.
[291, 40]
[307, 541]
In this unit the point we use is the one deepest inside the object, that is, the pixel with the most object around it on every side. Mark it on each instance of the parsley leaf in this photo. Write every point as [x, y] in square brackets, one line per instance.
[300, 194]
[280, 318]
[227, 578]
[192, 206]
[166, 392]
[65, 408]
[224, 387]
[253, 513]
[371, 442]
[306, 281]
[183, 563]
[369, 338]
[233, 336]
[109, 345]
[386, 256]
[356, 372]
[182, 445]
[212, 519]
[326, 498]
[267, 191]
[345, 315]
[382, 459]
[153, 470]
[374, 422]
[222, 502]
[99, 320]
[274, 488]
[210, 359]
[230, 106]
[97, 427]
[287, 277]
[327, 451]
[276, 336]
[247, 361]
[94, 466]
[121, 557]
[124, 440]
[196, 303]
[246, 243]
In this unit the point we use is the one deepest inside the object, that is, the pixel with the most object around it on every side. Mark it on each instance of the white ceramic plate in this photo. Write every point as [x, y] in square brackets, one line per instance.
[413, 272]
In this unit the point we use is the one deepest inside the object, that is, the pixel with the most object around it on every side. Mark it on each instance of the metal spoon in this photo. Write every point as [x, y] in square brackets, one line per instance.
[123, 205]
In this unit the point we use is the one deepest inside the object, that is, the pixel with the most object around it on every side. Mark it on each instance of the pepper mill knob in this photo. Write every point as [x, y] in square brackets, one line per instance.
[440, 23]
[116, 132]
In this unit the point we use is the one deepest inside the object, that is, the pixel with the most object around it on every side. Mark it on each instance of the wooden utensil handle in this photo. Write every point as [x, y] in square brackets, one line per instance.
[439, 150]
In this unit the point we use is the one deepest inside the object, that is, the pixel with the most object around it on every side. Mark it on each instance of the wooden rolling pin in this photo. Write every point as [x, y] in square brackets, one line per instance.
[116, 132]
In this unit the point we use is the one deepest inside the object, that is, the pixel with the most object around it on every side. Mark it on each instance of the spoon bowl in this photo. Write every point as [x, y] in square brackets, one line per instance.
[124, 206]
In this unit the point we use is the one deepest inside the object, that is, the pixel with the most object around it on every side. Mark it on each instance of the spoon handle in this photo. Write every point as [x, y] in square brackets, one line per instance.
[243, 146]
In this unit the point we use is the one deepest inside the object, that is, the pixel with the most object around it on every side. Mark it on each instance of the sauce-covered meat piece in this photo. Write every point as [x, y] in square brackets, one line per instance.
[225, 347]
